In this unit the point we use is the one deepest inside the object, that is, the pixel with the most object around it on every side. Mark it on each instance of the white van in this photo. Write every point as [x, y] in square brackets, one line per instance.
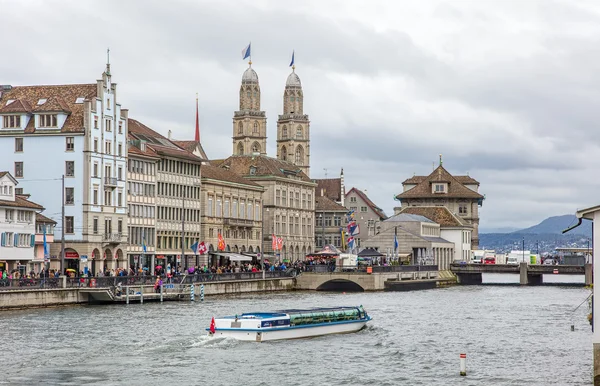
[477, 257]
[347, 262]
[512, 260]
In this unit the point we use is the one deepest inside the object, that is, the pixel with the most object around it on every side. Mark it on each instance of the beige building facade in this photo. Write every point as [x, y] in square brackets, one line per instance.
[232, 207]
[460, 194]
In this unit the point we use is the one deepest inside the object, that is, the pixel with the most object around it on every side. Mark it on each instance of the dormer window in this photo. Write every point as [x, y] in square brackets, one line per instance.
[48, 120]
[12, 121]
[252, 170]
[439, 188]
[79, 100]
[42, 101]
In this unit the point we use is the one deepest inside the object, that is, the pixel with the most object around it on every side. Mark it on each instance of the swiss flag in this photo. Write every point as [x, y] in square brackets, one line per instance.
[202, 248]
[212, 326]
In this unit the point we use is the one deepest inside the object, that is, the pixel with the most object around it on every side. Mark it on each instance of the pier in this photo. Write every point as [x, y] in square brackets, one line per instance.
[529, 274]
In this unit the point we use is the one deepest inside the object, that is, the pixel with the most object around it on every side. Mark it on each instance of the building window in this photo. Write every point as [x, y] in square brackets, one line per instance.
[48, 120]
[9, 215]
[354, 208]
[70, 168]
[439, 188]
[12, 121]
[120, 226]
[18, 190]
[95, 145]
[299, 132]
[95, 122]
[19, 169]
[107, 147]
[337, 221]
[69, 196]
[363, 209]
[240, 128]
[70, 143]
[255, 128]
[256, 212]
[462, 209]
[120, 173]
[108, 125]
[95, 169]
[120, 127]
[95, 196]
[69, 225]
[284, 133]
[119, 198]
[120, 150]
[352, 199]
[95, 226]
[18, 145]
[107, 197]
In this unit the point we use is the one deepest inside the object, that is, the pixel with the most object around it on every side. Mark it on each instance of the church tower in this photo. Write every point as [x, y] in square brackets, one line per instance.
[293, 126]
[249, 123]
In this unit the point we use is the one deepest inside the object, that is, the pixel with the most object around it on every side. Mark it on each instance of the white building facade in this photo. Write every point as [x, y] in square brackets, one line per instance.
[85, 130]
[17, 227]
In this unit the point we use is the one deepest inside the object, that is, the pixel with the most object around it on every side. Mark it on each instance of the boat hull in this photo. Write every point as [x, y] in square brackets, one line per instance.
[294, 332]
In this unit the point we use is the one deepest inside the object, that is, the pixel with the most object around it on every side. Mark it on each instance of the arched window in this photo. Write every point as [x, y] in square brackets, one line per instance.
[240, 128]
[299, 156]
[240, 149]
[299, 132]
[283, 153]
[284, 132]
[255, 128]
[255, 147]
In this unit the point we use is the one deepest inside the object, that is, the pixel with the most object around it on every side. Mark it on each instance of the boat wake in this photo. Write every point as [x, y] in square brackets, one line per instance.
[215, 342]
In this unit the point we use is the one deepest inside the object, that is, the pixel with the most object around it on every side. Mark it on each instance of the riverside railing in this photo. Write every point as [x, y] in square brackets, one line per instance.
[325, 268]
[113, 281]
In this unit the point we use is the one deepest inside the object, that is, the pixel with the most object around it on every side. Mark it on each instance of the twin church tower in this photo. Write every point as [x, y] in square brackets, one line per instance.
[293, 126]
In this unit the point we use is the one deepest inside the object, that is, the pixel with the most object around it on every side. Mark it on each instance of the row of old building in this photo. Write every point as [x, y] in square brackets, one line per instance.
[132, 196]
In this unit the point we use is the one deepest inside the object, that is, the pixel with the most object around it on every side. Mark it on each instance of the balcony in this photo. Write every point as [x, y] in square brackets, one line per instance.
[110, 182]
[112, 238]
[239, 222]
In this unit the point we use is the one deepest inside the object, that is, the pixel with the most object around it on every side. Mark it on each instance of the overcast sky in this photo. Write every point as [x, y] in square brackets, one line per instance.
[506, 90]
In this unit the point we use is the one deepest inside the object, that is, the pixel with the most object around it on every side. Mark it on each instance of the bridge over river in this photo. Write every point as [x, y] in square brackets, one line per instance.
[529, 274]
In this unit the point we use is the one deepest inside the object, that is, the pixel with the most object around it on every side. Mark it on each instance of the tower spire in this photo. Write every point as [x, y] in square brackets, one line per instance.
[197, 121]
[108, 61]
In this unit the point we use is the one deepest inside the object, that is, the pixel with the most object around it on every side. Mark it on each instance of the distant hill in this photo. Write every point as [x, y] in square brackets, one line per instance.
[543, 237]
[556, 224]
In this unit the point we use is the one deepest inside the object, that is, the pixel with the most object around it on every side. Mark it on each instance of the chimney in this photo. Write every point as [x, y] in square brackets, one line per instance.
[169, 135]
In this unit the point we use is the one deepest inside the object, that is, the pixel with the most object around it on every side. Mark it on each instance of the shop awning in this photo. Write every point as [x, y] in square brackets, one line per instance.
[233, 256]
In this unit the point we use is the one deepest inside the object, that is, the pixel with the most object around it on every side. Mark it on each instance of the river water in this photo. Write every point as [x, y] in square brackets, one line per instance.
[512, 336]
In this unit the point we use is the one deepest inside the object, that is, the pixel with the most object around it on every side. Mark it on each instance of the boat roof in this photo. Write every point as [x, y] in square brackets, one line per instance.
[284, 313]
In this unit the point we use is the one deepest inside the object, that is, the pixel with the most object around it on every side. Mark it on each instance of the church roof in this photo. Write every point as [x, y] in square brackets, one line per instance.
[456, 189]
[261, 166]
[293, 80]
[250, 76]
[438, 214]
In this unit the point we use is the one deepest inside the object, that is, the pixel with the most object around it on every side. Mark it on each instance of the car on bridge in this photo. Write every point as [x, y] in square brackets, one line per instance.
[489, 260]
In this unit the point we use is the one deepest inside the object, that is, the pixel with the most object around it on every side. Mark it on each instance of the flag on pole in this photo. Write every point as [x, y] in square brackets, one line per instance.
[194, 247]
[221, 245]
[395, 242]
[273, 242]
[343, 238]
[212, 326]
[144, 245]
[292, 62]
[279, 243]
[246, 52]
[350, 243]
[202, 248]
[46, 252]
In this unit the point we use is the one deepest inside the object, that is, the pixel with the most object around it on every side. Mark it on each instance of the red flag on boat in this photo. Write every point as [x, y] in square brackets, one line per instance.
[212, 325]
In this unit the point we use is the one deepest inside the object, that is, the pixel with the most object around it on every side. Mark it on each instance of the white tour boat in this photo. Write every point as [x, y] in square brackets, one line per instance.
[290, 324]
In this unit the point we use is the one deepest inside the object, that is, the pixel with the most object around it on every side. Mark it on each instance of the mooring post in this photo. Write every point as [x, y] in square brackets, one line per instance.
[161, 292]
[463, 365]
[192, 293]
[126, 295]
[201, 292]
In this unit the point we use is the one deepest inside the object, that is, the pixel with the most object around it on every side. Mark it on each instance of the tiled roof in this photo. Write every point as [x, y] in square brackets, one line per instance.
[21, 202]
[368, 201]
[438, 214]
[59, 98]
[424, 190]
[462, 179]
[324, 203]
[43, 219]
[159, 143]
[265, 166]
[406, 217]
[135, 150]
[2, 174]
[332, 188]
[221, 174]
[191, 146]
